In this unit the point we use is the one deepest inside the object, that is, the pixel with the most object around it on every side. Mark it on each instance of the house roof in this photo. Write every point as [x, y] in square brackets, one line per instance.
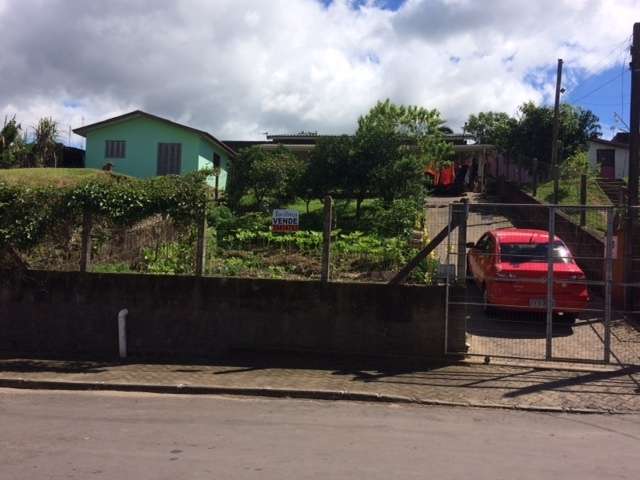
[82, 131]
[609, 143]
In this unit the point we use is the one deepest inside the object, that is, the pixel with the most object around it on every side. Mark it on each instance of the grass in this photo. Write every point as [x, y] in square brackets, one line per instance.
[58, 177]
[569, 194]
[345, 213]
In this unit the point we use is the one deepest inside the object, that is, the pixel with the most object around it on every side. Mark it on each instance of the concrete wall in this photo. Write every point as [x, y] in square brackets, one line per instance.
[580, 241]
[73, 314]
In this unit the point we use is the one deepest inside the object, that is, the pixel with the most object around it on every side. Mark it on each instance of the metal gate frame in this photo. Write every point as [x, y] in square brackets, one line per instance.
[460, 212]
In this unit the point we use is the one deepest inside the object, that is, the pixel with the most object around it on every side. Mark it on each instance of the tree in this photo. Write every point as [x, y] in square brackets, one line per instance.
[393, 145]
[46, 136]
[529, 135]
[532, 137]
[493, 128]
[12, 145]
[268, 175]
[326, 171]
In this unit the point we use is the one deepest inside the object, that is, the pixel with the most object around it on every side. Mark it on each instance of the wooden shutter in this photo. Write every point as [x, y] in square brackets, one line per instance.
[169, 158]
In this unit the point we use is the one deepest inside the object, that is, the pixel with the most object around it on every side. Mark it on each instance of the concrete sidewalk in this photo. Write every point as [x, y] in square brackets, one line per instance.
[302, 376]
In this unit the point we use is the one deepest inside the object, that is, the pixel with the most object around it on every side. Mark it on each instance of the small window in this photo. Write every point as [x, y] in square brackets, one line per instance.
[216, 160]
[169, 158]
[115, 149]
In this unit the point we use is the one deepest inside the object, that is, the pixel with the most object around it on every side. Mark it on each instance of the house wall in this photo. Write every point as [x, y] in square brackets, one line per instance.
[142, 135]
[73, 314]
[205, 160]
[621, 158]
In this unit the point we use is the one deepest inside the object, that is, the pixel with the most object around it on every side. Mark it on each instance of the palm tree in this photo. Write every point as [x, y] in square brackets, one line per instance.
[45, 142]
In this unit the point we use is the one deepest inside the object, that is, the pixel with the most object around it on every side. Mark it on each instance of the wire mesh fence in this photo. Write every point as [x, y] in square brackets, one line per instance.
[538, 282]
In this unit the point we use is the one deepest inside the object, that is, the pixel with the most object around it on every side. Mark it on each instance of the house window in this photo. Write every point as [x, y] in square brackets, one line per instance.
[115, 149]
[169, 158]
[216, 160]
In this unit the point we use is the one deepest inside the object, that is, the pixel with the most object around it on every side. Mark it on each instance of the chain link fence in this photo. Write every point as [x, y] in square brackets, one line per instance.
[522, 296]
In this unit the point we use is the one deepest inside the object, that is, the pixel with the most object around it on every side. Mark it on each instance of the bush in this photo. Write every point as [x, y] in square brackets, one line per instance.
[400, 218]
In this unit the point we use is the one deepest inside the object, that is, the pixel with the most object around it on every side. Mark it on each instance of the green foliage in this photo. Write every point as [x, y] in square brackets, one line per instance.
[116, 267]
[393, 145]
[12, 144]
[328, 168]
[575, 166]
[493, 128]
[530, 133]
[174, 258]
[398, 219]
[27, 215]
[270, 176]
[46, 137]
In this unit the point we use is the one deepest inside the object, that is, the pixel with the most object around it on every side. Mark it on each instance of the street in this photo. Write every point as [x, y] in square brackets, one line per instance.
[81, 435]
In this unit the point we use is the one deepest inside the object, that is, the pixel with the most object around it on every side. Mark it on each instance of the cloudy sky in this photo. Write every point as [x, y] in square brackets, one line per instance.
[238, 68]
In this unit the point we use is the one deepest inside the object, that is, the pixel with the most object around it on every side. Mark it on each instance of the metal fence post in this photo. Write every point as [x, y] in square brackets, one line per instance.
[326, 240]
[608, 280]
[583, 200]
[550, 299]
[446, 301]
[201, 244]
[463, 214]
[85, 254]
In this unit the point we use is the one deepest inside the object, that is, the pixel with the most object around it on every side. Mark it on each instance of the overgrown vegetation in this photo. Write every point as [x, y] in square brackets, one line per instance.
[29, 214]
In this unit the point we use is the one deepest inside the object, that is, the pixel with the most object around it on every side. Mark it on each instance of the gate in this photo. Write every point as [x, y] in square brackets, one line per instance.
[519, 297]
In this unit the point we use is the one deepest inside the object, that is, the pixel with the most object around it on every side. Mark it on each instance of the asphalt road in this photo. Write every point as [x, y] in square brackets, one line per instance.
[92, 435]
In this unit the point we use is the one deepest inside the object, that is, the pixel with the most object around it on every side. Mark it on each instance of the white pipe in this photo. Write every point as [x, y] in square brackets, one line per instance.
[122, 332]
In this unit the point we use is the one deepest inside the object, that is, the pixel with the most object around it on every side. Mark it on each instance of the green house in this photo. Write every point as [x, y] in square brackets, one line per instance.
[143, 145]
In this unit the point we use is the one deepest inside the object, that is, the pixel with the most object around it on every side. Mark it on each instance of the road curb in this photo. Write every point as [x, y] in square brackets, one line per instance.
[22, 383]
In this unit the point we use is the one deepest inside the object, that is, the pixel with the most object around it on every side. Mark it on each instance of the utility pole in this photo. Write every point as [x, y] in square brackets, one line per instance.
[634, 146]
[554, 137]
[634, 117]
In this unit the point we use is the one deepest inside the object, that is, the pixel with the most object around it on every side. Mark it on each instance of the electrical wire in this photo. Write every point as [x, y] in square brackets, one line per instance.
[624, 45]
[600, 87]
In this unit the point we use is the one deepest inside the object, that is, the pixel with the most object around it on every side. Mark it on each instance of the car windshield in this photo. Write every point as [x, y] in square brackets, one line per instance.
[534, 252]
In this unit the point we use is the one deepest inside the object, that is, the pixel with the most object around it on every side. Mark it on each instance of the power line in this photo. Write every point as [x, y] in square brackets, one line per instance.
[620, 47]
[600, 87]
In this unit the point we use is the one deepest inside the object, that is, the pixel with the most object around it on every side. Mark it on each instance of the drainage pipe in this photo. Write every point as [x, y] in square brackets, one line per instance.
[122, 332]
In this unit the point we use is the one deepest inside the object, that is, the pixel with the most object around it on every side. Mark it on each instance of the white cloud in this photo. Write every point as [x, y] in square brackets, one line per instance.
[241, 67]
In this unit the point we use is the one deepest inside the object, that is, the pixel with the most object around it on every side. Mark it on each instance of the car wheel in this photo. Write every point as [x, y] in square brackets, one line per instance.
[486, 304]
[469, 278]
[568, 318]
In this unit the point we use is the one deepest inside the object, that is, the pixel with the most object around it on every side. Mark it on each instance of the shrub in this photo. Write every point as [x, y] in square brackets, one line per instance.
[400, 218]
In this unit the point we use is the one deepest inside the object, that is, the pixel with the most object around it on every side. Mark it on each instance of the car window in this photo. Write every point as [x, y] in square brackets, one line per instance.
[481, 244]
[534, 252]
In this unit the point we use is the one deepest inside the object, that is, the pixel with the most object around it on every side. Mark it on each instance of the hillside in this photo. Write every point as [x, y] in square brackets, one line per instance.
[60, 177]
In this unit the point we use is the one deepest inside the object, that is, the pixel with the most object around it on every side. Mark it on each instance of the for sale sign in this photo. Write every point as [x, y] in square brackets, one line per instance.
[285, 221]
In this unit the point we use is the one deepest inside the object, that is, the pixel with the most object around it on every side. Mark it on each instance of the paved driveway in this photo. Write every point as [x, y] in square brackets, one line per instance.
[522, 334]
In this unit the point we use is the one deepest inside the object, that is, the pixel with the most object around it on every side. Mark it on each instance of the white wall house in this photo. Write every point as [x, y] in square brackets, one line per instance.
[609, 158]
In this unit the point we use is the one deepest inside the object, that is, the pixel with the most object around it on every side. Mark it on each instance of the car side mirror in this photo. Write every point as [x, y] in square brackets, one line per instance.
[470, 244]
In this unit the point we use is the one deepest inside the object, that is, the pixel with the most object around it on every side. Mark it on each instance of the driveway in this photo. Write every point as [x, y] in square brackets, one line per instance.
[522, 334]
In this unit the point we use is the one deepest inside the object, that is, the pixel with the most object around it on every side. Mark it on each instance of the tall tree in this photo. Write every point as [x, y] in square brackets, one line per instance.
[530, 133]
[394, 144]
[12, 146]
[267, 175]
[327, 169]
[46, 137]
[493, 128]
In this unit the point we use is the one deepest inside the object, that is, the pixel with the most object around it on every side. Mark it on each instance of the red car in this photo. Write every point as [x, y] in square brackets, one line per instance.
[510, 266]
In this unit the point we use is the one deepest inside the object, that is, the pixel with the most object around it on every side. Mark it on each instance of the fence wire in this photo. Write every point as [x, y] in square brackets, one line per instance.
[560, 304]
